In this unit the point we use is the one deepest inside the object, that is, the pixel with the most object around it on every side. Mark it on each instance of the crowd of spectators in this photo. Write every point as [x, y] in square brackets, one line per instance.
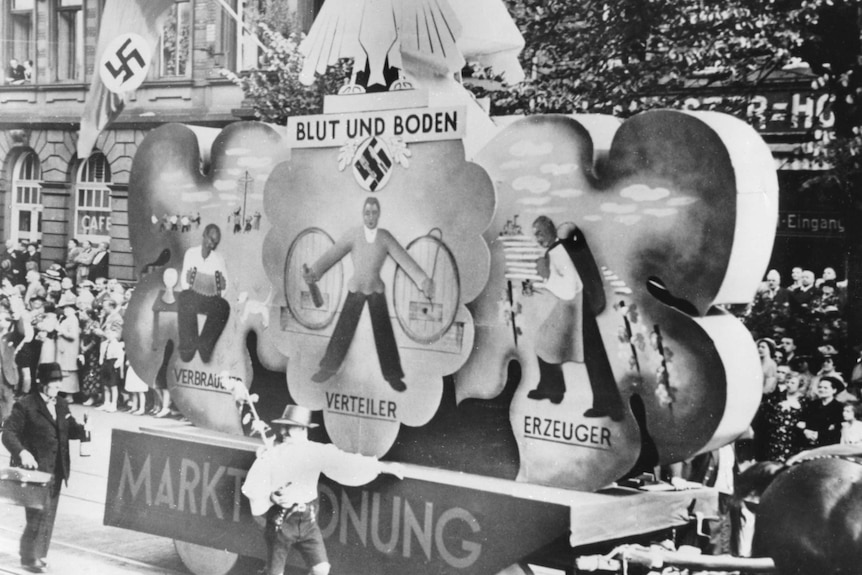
[811, 378]
[71, 314]
[811, 395]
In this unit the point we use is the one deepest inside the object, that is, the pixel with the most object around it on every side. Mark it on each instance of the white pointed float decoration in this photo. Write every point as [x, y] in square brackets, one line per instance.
[426, 35]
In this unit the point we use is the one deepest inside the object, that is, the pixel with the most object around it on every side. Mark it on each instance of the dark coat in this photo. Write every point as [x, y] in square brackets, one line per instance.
[99, 267]
[802, 299]
[825, 420]
[582, 257]
[31, 427]
[8, 368]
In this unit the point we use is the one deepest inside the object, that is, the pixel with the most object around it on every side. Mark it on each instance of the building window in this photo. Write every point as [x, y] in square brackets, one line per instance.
[238, 48]
[69, 40]
[27, 198]
[93, 204]
[176, 41]
[19, 32]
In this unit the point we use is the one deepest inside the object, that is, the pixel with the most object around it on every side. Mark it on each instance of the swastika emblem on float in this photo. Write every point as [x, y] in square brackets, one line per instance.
[372, 164]
[125, 63]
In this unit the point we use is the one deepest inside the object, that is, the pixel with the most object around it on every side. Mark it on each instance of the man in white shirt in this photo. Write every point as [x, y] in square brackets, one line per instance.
[203, 280]
[570, 332]
[282, 487]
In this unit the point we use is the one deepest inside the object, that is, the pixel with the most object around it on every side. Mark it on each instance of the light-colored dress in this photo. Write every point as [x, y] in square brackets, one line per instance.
[68, 349]
[134, 384]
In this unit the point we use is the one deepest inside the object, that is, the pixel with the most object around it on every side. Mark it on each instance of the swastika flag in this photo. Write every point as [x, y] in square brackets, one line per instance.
[121, 17]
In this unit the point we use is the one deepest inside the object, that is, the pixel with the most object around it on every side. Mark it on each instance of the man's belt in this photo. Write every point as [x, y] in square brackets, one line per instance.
[285, 512]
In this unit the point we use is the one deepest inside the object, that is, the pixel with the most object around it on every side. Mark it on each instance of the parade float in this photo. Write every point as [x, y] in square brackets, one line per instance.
[548, 320]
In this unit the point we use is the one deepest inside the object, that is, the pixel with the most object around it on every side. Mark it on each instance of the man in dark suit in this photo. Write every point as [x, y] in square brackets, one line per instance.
[37, 435]
[802, 297]
[773, 291]
[99, 267]
[8, 368]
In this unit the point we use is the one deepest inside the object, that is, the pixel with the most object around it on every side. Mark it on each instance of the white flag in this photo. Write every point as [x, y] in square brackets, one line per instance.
[129, 32]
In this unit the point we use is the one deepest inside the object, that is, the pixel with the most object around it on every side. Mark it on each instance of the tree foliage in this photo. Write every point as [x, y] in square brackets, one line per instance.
[629, 55]
[274, 89]
[625, 56]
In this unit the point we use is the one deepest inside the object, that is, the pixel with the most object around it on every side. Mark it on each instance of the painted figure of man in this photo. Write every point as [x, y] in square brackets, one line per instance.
[282, 488]
[203, 280]
[37, 435]
[570, 332]
[368, 247]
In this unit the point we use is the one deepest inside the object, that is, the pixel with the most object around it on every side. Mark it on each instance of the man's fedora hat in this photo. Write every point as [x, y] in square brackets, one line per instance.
[295, 415]
[49, 372]
[837, 383]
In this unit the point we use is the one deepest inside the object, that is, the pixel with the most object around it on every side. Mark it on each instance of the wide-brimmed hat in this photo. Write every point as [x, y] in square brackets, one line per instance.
[54, 273]
[837, 383]
[49, 372]
[770, 343]
[827, 350]
[295, 415]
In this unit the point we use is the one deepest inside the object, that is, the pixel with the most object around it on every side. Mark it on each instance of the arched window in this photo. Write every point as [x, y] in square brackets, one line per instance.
[27, 198]
[93, 200]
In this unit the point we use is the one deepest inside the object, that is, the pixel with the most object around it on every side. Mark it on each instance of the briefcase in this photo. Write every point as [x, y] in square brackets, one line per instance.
[25, 487]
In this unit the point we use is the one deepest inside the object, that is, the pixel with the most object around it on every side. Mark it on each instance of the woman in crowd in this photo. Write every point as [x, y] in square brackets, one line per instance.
[782, 436]
[851, 428]
[766, 350]
[68, 345]
[46, 333]
[91, 383]
[820, 420]
[802, 365]
[137, 389]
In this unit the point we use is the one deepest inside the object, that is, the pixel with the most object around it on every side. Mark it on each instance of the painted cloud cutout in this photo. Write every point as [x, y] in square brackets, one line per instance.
[365, 343]
[531, 184]
[189, 333]
[531, 148]
[574, 293]
[642, 193]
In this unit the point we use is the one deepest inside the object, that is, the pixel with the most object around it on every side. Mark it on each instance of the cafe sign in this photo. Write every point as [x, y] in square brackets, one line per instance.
[93, 223]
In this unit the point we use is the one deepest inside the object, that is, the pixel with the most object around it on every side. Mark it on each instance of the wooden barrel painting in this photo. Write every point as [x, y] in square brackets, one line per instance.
[427, 320]
[313, 305]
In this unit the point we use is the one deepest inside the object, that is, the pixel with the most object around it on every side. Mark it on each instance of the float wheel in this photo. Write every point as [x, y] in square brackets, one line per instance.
[202, 560]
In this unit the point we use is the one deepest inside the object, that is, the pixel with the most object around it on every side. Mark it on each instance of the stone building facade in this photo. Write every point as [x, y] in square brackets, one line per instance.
[47, 193]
